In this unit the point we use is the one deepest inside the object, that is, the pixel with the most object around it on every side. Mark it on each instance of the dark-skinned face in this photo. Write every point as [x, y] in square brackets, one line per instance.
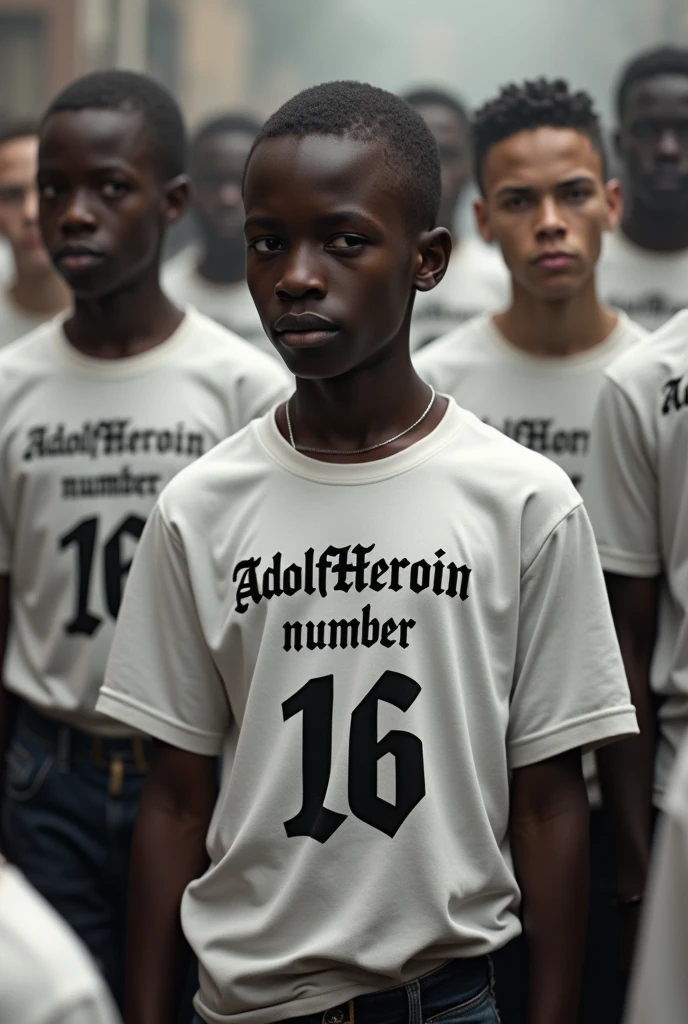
[216, 171]
[451, 135]
[102, 206]
[332, 260]
[653, 142]
[547, 205]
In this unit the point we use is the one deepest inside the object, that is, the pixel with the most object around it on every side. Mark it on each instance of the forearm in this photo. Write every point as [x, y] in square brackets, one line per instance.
[551, 858]
[168, 853]
[7, 712]
[626, 771]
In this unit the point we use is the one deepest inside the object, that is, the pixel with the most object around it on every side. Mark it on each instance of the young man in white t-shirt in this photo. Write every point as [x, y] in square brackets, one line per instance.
[98, 411]
[535, 369]
[212, 276]
[476, 278]
[388, 617]
[46, 975]
[644, 265]
[639, 508]
[34, 291]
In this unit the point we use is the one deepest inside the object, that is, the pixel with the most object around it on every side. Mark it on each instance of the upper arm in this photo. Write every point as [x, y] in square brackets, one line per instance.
[181, 783]
[634, 602]
[548, 788]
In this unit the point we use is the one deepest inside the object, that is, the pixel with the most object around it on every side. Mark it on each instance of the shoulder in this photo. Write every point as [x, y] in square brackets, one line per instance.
[32, 355]
[465, 343]
[656, 358]
[216, 345]
[505, 476]
[45, 957]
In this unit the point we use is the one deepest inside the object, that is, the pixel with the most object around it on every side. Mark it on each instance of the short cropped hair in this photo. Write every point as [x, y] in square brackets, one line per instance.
[538, 104]
[432, 96]
[364, 112]
[129, 91]
[14, 130]
[660, 60]
[224, 124]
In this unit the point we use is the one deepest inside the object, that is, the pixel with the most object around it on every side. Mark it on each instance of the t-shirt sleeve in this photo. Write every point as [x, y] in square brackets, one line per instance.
[569, 687]
[621, 487]
[161, 677]
[97, 1008]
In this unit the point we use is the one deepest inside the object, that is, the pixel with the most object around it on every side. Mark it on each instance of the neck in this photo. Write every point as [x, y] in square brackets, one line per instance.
[362, 408]
[123, 323]
[556, 328]
[41, 292]
[658, 232]
[223, 262]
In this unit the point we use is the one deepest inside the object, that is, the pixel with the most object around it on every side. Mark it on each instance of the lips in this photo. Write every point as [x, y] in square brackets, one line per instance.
[300, 330]
[555, 259]
[77, 257]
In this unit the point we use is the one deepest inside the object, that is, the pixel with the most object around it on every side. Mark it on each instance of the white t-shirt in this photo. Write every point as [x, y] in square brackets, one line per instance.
[229, 304]
[659, 989]
[374, 647]
[86, 446]
[650, 286]
[476, 281]
[546, 404]
[639, 505]
[16, 322]
[46, 974]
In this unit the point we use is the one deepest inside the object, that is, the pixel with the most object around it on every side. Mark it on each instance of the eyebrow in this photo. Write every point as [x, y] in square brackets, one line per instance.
[526, 190]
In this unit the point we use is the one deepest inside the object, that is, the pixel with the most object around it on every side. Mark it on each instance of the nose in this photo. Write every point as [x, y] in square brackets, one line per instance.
[550, 223]
[303, 275]
[669, 147]
[78, 217]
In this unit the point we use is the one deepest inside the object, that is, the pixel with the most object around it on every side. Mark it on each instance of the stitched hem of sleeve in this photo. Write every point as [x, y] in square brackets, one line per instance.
[154, 723]
[626, 564]
[588, 733]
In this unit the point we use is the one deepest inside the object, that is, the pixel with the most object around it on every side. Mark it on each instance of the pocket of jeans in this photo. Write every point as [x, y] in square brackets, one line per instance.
[463, 1013]
[25, 773]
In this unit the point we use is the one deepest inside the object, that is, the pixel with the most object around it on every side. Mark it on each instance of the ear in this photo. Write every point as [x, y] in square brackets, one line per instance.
[614, 199]
[434, 250]
[176, 198]
[482, 220]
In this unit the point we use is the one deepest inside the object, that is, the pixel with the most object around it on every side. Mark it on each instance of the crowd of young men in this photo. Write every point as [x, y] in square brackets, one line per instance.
[334, 741]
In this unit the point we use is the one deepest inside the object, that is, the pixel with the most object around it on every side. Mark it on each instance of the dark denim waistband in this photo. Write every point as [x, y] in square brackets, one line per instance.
[75, 743]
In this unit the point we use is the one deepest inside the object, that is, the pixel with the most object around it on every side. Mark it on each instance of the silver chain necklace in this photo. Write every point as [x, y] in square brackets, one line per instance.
[357, 451]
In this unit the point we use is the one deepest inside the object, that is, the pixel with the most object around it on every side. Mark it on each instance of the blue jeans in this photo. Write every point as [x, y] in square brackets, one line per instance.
[460, 992]
[68, 816]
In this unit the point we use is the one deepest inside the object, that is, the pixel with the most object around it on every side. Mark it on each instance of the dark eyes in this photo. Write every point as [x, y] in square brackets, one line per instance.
[575, 195]
[109, 189]
[340, 243]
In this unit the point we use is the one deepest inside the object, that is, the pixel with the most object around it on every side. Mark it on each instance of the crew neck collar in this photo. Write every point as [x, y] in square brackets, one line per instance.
[555, 364]
[126, 365]
[343, 474]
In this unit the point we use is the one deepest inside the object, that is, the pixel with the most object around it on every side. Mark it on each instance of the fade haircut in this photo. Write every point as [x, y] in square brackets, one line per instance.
[539, 104]
[25, 129]
[660, 60]
[129, 91]
[354, 110]
[224, 124]
[432, 96]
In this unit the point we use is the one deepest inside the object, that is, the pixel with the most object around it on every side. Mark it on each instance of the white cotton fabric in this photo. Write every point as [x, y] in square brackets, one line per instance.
[544, 403]
[457, 578]
[659, 988]
[46, 974]
[16, 322]
[650, 286]
[86, 446]
[638, 504]
[476, 281]
[230, 305]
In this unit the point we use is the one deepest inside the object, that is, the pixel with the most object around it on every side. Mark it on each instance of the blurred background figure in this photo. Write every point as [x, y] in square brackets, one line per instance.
[211, 274]
[33, 291]
[644, 269]
[47, 974]
[476, 280]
